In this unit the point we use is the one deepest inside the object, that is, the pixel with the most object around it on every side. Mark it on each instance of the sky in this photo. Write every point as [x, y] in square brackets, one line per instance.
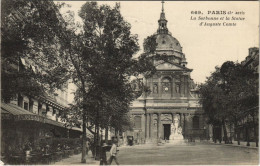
[204, 47]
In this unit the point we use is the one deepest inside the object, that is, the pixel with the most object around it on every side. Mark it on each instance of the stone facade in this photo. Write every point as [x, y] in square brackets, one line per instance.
[173, 93]
[252, 60]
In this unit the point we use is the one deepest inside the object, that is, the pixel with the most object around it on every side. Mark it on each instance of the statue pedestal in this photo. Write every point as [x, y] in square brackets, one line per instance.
[177, 139]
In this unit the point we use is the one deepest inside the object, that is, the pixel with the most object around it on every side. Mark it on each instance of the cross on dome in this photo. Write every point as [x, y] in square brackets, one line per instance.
[162, 6]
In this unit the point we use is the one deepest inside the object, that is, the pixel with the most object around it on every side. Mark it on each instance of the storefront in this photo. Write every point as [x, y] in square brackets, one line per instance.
[21, 128]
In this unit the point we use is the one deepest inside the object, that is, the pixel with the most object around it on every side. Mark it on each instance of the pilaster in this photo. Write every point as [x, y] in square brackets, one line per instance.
[158, 126]
[150, 126]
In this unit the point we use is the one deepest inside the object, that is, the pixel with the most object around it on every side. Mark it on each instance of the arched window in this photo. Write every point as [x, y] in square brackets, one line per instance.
[166, 85]
[137, 120]
[196, 122]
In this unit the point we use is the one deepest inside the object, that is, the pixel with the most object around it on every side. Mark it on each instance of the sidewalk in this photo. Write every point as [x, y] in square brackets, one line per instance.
[76, 160]
[242, 144]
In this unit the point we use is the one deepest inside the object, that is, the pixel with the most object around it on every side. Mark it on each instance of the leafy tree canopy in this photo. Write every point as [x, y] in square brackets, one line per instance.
[30, 44]
[229, 92]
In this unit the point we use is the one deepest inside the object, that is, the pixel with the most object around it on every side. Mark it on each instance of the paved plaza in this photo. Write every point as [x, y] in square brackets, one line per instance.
[197, 154]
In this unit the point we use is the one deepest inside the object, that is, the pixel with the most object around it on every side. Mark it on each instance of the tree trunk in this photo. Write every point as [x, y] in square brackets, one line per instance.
[247, 135]
[225, 131]
[255, 131]
[106, 135]
[238, 133]
[98, 143]
[117, 136]
[95, 142]
[214, 134]
[84, 139]
[231, 135]
[101, 136]
[84, 121]
[220, 134]
[116, 133]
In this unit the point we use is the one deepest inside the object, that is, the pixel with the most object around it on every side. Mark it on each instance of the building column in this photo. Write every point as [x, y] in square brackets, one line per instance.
[150, 125]
[145, 134]
[158, 126]
[159, 87]
[184, 126]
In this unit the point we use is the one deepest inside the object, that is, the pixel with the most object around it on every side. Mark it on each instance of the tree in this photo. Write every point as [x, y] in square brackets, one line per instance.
[227, 93]
[243, 89]
[213, 99]
[30, 32]
[40, 34]
[111, 46]
[101, 58]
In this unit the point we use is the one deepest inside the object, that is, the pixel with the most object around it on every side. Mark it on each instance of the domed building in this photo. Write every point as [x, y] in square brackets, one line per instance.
[173, 96]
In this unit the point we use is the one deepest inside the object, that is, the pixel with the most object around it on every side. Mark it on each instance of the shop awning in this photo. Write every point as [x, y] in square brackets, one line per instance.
[88, 133]
[12, 111]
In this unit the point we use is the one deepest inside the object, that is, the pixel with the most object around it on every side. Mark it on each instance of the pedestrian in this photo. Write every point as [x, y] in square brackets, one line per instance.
[103, 156]
[113, 153]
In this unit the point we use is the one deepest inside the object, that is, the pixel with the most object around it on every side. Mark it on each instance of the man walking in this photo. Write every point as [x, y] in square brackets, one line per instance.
[113, 153]
[103, 156]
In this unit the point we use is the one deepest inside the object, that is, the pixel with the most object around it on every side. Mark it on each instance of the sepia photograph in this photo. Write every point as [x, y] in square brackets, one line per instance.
[129, 82]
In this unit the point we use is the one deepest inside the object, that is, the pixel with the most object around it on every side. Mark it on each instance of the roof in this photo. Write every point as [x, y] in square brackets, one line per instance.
[167, 42]
[170, 66]
[52, 101]
[14, 109]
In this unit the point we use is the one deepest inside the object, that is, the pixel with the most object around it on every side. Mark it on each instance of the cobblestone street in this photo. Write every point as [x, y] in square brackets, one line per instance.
[187, 154]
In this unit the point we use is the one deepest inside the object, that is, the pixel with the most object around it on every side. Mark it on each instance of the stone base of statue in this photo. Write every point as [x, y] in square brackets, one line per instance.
[176, 138]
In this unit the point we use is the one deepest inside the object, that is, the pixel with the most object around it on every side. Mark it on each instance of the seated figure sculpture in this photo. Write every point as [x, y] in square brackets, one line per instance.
[176, 136]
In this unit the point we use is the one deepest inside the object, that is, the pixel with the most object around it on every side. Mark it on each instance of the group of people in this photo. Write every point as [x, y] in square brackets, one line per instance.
[103, 157]
[113, 154]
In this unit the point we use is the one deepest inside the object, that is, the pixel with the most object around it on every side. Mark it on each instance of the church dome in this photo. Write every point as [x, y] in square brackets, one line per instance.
[167, 42]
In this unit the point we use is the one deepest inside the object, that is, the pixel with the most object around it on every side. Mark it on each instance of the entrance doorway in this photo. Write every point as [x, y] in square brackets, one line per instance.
[167, 131]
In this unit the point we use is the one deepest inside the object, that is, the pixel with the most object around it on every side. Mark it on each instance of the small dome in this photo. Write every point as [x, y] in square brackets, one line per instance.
[167, 42]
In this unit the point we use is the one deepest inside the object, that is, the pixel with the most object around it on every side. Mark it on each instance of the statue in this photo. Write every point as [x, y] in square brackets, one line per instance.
[176, 136]
[155, 88]
[177, 88]
[179, 130]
